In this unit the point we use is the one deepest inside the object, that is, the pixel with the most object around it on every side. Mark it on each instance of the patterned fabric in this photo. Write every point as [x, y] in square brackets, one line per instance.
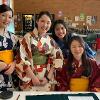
[63, 77]
[7, 42]
[40, 54]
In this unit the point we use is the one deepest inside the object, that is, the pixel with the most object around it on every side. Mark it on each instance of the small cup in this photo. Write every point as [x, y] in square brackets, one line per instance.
[57, 63]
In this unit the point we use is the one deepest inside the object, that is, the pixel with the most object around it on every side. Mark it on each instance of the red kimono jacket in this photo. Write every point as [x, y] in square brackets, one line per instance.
[63, 77]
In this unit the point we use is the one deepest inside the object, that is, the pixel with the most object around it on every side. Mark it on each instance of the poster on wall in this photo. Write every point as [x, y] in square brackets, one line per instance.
[94, 19]
[77, 18]
[88, 20]
[82, 16]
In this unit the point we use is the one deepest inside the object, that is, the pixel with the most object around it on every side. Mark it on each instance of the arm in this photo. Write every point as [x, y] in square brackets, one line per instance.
[55, 60]
[11, 65]
[62, 80]
[95, 77]
[56, 55]
[2, 66]
[25, 65]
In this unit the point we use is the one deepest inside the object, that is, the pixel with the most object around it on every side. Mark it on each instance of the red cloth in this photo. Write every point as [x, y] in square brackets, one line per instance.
[98, 43]
[63, 77]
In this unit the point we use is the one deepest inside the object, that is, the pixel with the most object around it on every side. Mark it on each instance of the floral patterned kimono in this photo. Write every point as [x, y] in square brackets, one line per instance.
[40, 53]
[66, 82]
[7, 42]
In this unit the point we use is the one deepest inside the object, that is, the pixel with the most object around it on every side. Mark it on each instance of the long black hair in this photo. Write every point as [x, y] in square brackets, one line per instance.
[56, 22]
[4, 8]
[85, 60]
[63, 43]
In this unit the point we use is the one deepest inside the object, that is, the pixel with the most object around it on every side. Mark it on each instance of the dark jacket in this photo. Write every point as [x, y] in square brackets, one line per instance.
[64, 46]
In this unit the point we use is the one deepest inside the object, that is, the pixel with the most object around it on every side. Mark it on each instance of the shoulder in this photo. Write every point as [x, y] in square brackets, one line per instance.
[11, 34]
[92, 60]
[54, 43]
[51, 39]
[13, 37]
[69, 36]
[27, 35]
[94, 64]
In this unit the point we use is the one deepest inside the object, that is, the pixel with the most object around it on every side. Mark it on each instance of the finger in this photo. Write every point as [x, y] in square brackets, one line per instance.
[9, 71]
[7, 67]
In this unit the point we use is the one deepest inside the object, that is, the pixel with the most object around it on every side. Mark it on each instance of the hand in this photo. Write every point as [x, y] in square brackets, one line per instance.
[10, 68]
[44, 81]
[25, 87]
[35, 81]
[3, 65]
[97, 89]
[51, 73]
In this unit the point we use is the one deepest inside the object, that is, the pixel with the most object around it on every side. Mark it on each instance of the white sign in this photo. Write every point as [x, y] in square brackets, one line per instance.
[0, 2]
[88, 20]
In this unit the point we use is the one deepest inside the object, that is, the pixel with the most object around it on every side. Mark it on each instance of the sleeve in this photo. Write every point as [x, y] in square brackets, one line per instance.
[95, 77]
[57, 56]
[25, 49]
[62, 80]
[23, 60]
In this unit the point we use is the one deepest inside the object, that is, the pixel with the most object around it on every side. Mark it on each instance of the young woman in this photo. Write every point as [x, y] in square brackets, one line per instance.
[62, 36]
[79, 73]
[39, 56]
[7, 43]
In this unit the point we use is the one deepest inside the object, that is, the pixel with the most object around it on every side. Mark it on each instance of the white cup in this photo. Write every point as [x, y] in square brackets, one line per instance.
[57, 63]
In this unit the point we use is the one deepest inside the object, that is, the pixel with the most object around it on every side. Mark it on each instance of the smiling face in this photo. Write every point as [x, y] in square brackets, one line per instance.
[60, 31]
[76, 49]
[5, 18]
[44, 24]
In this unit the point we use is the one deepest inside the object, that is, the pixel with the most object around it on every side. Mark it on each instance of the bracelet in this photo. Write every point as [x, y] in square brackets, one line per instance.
[47, 78]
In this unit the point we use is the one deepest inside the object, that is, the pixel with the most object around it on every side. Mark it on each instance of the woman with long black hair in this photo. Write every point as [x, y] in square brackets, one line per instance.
[80, 73]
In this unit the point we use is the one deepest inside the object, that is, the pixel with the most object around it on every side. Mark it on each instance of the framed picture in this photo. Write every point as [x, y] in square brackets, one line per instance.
[28, 22]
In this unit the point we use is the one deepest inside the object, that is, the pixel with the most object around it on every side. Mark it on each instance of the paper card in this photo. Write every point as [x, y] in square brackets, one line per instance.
[82, 17]
[77, 18]
[94, 19]
[88, 20]
[80, 98]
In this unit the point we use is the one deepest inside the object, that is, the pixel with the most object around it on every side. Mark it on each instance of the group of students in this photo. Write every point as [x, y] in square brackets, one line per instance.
[43, 62]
